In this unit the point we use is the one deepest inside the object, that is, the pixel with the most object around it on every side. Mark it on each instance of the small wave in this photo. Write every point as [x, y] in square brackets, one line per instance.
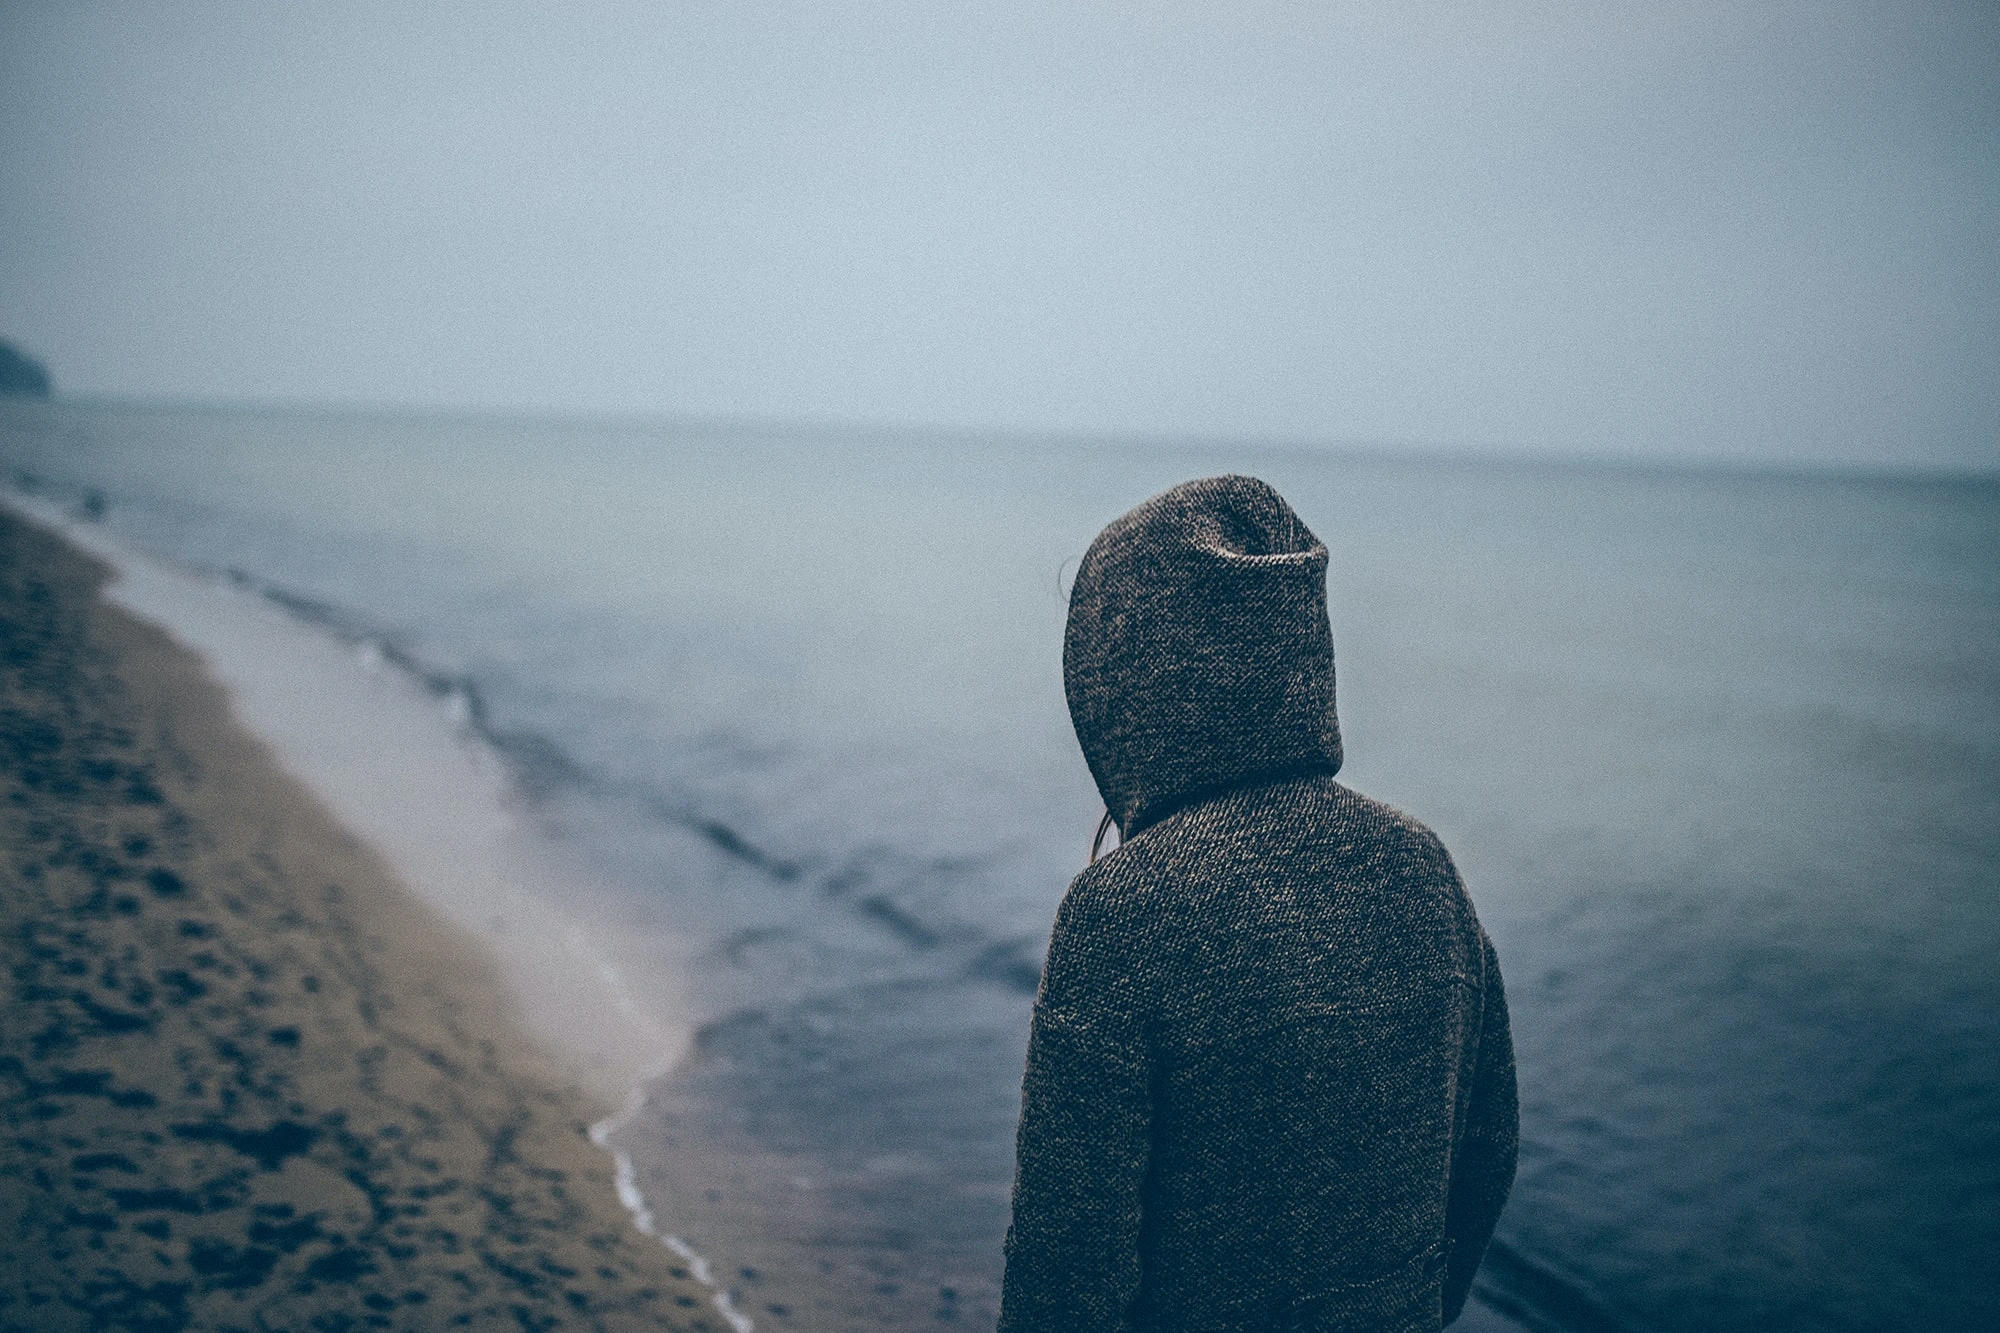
[1535, 1294]
[734, 843]
[1010, 963]
[459, 693]
[627, 1180]
[899, 923]
[877, 883]
[87, 505]
[540, 764]
[735, 948]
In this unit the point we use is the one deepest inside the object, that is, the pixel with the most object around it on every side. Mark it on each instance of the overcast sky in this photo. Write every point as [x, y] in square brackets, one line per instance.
[1752, 229]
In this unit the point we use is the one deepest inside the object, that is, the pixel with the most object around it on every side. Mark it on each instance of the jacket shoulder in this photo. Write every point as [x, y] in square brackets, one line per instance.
[1107, 895]
[1105, 927]
[1398, 832]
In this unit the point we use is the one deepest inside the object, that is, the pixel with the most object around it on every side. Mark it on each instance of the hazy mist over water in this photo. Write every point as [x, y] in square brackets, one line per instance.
[1692, 228]
[1717, 752]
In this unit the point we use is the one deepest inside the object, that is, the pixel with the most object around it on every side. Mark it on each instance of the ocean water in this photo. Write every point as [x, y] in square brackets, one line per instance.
[1718, 755]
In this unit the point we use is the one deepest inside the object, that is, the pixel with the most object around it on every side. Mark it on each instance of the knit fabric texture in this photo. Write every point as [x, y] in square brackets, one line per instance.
[1270, 1083]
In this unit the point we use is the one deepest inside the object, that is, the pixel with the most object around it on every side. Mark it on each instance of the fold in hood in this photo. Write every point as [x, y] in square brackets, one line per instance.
[1198, 656]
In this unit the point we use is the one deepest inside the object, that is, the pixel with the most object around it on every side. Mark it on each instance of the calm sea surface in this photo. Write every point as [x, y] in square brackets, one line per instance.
[1718, 755]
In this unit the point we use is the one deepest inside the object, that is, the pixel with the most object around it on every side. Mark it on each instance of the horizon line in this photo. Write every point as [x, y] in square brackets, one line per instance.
[1513, 455]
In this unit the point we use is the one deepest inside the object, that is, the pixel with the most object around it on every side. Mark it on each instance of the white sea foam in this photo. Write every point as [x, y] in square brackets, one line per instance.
[642, 1213]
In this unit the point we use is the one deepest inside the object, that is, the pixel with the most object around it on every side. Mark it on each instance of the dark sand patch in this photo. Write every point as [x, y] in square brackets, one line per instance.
[245, 1080]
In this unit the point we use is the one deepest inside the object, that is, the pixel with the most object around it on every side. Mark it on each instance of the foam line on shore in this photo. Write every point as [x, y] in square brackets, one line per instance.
[642, 1214]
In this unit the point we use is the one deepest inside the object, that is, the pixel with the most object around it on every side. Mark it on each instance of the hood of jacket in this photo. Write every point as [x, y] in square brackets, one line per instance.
[1198, 656]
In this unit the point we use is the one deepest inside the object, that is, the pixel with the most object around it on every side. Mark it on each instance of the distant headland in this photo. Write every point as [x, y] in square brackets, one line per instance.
[21, 374]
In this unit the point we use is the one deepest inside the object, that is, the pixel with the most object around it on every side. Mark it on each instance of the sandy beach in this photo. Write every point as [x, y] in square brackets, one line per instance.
[247, 1079]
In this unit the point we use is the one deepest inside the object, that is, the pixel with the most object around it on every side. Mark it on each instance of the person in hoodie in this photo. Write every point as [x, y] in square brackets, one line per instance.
[1269, 1083]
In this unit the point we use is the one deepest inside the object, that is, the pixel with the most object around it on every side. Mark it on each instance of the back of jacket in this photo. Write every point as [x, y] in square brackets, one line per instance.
[1270, 1081]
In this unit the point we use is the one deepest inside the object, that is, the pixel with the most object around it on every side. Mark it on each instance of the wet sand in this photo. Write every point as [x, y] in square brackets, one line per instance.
[246, 1079]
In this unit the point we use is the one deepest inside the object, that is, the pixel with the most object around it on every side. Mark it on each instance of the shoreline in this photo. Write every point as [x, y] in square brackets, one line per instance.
[252, 1077]
[401, 766]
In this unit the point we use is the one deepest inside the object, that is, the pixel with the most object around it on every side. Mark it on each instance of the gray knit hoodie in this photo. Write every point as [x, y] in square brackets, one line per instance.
[1270, 1084]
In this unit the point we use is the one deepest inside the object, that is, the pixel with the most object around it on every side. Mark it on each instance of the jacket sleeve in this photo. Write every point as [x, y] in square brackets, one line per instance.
[1083, 1144]
[1482, 1168]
